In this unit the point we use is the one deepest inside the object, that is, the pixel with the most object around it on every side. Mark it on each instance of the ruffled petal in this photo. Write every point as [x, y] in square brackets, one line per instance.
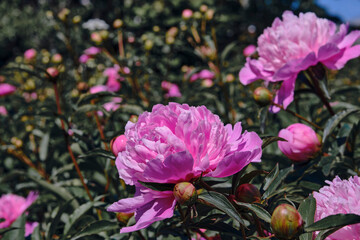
[156, 210]
[251, 72]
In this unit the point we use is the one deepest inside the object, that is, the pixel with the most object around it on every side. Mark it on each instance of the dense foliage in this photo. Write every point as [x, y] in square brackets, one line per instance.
[76, 74]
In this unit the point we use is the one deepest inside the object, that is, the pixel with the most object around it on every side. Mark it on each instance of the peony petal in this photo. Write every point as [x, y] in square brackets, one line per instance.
[175, 168]
[349, 39]
[327, 51]
[156, 210]
[285, 95]
[129, 205]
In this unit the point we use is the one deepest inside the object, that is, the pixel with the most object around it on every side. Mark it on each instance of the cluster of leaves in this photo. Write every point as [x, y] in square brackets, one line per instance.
[57, 142]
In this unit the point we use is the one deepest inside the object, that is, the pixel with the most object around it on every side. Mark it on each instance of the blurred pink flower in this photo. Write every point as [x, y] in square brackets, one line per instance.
[84, 58]
[113, 105]
[30, 54]
[302, 142]
[3, 111]
[91, 51]
[99, 88]
[177, 143]
[203, 74]
[52, 71]
[207, 83]
[113, 78]
[294, 44]
[6, 89]
[171, 88]
[13, 206]
[187, 14]
[249, 50]
[341, 196]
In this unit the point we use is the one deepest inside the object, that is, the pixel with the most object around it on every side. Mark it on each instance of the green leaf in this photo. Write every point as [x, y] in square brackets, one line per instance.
[271, 176]
[227, 50]
[18, 232]
[44, 145]
[5, 230]
[35, 235]
[79, 212]
[98, 153]
[222, 203]
[273, 185]
[249, 176]
[216, 225]
[307, 211]
[158, 186]
[270, 139]
[333, 122]
[258, 210]
[325, 233]
[96, 228]
[50, 230]
[338, 220]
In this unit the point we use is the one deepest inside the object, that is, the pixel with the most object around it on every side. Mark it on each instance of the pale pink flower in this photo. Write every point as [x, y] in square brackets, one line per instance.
[294, 44]
[30, 54]
[172, 89]
[113, 105]
[177, 143]
[99, 88]
[302, 142]
[187, 14]
[6, 89]
[203, 74]
[13, 206]
[113, 76]
[340, 197]
[92, 51]
[249, 50]
[3, 111]
[84, 58]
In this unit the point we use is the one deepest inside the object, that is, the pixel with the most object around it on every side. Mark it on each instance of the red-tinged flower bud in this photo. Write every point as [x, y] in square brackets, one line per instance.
[203, 8]
[286, 222]
[96, 37]
[57, 58]
[118, 23]
[62, 15]
[76, 19]
[30, 54]
[82, 87]
[124, 217]
[209, 14]
[185, 193]
[247, 193]
[118, 144]
[53, 72]
[262, 96]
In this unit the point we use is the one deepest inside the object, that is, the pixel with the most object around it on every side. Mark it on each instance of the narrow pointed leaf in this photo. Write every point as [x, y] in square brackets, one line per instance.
[307, 210]
[158, 186]
[96, 228]
[258, 210]
[338, 220]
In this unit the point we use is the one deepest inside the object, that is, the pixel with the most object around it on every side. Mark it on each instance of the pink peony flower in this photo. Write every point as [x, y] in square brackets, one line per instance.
[249, 50]
[30, 54]
[302, 142]
[113, 105]
[91, 51]
[171, 88]
[113, 78]
[13, 206]
[6, 89]
[177, 143]
[187, 14]
[341, 196]
[84, 58]
[99, 88]
[3, 111]
[294, 44]
[203, 74]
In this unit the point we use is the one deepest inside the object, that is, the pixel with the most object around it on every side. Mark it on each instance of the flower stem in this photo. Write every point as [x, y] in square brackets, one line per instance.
[57, 98]
[298, 116]
[183, 220]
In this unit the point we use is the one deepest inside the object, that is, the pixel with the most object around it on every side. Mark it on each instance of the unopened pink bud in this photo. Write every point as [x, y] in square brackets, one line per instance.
[53, 72]
[6, 89]
[249, 50]
[302, 143]
[185, 193]
[30, 54]
[118, 144]
[286, 222]
[57, 58]
[247, 193]
[187, 14]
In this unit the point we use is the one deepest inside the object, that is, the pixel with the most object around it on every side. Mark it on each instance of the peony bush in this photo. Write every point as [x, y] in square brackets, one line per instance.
[128, 121]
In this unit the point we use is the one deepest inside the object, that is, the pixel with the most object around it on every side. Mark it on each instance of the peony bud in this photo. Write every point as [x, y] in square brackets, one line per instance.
[148, 44]
[82, 87]
[76, 19]
[247, 193]
[57, 58]
[133, 118]
[302, 143]
[96, 37]
[124, 217]
[203, 8]
[185, 193]
[30, 54]
[209, 14]
[118, 144]
[62, 15]
[187, 14]
[118, 23]
[286, 222]
[53, 72]
[262, 96]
